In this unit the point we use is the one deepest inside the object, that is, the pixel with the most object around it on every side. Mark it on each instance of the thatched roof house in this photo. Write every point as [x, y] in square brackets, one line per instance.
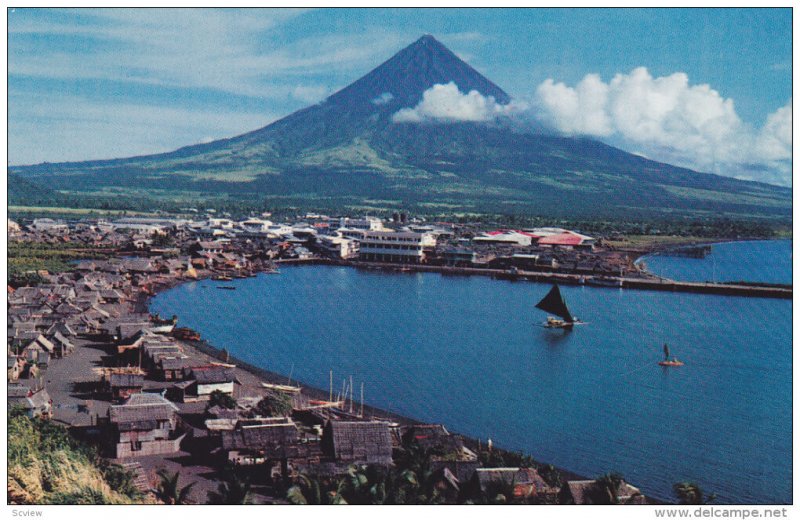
[359, 442]
[584, 492]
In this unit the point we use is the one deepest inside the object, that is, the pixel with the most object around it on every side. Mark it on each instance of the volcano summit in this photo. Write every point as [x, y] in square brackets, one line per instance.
[354, 149]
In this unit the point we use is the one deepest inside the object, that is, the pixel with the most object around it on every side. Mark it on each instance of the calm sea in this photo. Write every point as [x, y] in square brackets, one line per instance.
[467, 352]
[768, 261]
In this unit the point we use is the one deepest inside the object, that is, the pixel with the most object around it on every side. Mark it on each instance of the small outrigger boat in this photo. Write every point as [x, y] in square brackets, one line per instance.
[161, 325]
[185, 333]
[554, 303]
[667, 362]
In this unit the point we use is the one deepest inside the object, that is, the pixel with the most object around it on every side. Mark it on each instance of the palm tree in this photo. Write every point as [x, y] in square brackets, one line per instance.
[310, 491]
[416, 473]
[689, 493]
[231, 491]
[606, 489]
[169, 491]
[551, 475]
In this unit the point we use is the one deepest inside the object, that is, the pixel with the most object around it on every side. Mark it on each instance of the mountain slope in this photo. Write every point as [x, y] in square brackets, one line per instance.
[347, 150]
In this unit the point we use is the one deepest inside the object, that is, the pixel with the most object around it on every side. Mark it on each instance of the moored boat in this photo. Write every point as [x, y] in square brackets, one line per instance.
[185, 333]
[603, 281]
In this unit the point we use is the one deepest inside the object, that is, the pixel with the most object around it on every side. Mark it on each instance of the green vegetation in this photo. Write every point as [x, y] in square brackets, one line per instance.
[350, 153]
[274, 404]
[233, 490]
[169, 490]
[47, 466]
[26, 258]
[371, 485]
[221, 399]
[412, 480]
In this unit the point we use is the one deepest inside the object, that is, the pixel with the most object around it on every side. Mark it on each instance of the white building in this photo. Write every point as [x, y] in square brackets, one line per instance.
[391, 246]
[338, 246]
[148, 224]
[48, 225]
[255, 227]
[366, 223]
[221, 223]
[280, 230]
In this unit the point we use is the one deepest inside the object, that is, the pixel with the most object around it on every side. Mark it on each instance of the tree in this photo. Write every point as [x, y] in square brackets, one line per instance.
[416, 474]
[606, 489]
[169, 491]
[221, 399]
[274, 405]
[308, 490]
[689, 493]
[550, 474]
[233, 490]
[375, 485]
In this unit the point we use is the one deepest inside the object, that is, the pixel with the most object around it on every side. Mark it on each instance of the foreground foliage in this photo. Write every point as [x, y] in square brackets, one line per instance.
[47, 466]
[169, 489]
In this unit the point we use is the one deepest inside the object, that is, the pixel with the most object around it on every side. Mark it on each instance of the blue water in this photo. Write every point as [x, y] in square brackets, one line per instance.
[465, 352]
[768, 261]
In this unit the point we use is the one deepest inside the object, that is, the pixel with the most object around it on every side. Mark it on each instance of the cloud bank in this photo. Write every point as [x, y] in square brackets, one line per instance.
[663, 118]
[668, 119]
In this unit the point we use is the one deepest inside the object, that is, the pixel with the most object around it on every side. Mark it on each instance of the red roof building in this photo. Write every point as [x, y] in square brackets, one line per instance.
[567, 238]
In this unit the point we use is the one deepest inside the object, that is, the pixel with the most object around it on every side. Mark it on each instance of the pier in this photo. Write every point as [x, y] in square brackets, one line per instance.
[655, 284]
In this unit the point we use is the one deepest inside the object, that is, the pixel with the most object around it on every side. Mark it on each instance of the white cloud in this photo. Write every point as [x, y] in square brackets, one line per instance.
[579, 110]
[231, 50]
[670, 120]
[309, 94]
[445, 103]
[775, 140]
[383, 98]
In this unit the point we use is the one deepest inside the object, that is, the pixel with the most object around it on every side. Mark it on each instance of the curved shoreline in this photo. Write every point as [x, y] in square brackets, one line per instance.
[660, 252]
[142, 304]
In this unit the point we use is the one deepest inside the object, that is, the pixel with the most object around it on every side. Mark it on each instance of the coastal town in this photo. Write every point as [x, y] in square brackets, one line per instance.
[157, 400]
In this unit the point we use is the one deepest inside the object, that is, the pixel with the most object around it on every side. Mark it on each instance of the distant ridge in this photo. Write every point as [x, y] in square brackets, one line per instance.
[347, 152]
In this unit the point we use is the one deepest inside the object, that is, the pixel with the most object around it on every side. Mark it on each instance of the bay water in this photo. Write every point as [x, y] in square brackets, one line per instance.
[765, 261]
[469, 352]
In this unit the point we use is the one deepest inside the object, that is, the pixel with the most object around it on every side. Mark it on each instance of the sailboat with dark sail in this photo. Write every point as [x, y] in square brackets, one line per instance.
[554, 303]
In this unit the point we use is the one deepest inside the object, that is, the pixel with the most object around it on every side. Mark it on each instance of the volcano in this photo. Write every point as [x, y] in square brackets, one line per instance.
[349, 151]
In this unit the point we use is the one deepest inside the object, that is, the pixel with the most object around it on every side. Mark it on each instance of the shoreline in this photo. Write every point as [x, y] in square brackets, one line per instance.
[142, 304]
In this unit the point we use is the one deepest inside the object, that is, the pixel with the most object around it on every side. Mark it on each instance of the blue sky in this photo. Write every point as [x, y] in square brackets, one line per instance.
[88, 84]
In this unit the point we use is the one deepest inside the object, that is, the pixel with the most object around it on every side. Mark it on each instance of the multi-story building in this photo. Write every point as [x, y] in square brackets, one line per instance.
[146, 424]
[401, 247]
[337, 246]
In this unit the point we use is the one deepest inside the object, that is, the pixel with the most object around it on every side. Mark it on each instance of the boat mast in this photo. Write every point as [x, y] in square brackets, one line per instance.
[362, 400]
